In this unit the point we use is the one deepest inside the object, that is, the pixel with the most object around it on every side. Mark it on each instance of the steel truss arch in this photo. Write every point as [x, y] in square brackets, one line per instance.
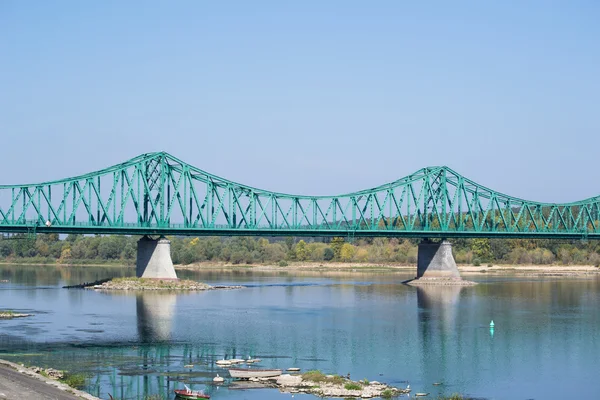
[156, 193]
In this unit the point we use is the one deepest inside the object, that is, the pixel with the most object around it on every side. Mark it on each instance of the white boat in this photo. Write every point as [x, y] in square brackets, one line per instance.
[247, 373]
[223, 362]
[237, 360]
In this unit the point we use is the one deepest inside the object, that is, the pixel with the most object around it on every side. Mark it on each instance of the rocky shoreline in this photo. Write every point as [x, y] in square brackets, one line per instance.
[156, 284]
[321, 385]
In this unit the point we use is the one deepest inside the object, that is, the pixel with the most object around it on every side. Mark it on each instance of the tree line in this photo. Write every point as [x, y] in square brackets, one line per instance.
[73, 249]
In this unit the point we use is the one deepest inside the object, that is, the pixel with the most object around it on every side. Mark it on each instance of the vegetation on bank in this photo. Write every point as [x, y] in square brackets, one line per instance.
[116, 249]
[77, 381]
[319, 377]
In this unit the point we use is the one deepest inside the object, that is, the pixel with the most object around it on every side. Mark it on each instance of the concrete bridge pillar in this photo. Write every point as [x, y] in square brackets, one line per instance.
[436, 265]
[154, 259]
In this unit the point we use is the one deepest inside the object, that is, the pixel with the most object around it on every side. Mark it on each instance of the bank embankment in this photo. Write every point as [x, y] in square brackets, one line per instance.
[18, 382]
[343, 267]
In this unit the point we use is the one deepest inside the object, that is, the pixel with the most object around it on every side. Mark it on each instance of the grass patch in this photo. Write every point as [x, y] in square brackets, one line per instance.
[387, 394]
[76, 381]
[318, 376]
[314, 376]
[353, 386]
[364, 382]
[454, 396]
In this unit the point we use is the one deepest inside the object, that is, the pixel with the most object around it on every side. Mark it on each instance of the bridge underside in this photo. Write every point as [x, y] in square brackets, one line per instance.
[182, 231]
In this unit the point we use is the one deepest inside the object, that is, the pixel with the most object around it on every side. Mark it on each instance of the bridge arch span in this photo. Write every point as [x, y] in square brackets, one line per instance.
[158, 194]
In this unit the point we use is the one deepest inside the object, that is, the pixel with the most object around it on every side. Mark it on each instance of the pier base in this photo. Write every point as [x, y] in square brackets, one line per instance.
[436, 265]
[154, 259]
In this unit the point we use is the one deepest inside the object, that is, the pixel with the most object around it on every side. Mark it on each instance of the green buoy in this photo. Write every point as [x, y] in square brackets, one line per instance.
[492, 324]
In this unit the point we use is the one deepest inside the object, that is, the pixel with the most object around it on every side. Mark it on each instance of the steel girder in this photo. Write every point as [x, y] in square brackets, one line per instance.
[157, 193]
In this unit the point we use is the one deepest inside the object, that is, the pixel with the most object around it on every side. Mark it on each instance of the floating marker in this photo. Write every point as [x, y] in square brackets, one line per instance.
[492, 324]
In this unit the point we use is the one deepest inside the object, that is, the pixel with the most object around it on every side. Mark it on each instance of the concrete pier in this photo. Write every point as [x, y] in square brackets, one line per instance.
[436, 265]
[154, 259]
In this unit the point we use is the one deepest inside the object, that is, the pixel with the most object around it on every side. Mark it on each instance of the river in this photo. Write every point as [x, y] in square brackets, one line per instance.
[133, 346]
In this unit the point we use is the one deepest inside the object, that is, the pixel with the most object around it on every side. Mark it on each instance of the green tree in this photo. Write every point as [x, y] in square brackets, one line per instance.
[336, 246]
[347, 252]
[301, 251]
[482, 250]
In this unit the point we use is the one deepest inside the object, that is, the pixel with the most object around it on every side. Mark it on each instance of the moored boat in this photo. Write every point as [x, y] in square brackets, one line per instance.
[247, 373]
[190, 394]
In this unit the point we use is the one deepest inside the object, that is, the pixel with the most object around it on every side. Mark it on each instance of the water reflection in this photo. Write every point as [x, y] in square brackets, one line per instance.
[155, 316]
[368, 325]
[438, 305]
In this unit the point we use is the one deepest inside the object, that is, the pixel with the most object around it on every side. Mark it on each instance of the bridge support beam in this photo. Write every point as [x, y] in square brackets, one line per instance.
[154, 259]
[436, 265]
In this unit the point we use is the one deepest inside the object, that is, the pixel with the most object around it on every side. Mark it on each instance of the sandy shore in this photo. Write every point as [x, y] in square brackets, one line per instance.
[374, 268]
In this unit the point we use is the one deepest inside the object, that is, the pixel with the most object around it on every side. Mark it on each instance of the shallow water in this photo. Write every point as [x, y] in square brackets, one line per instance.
[544, 345]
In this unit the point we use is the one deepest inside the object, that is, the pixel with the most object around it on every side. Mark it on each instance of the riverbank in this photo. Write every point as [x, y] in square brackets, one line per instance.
[530, 270]
[350, 267]
[18, 382]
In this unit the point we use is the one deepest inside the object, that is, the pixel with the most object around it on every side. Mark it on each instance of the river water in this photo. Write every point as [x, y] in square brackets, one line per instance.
[545, 343]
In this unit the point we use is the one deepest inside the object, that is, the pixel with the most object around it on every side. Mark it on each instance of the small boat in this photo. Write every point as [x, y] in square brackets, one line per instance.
[223, 362]
[218, 379]
[421, 394]
[293, 369]
[190, 394]
[247, 373]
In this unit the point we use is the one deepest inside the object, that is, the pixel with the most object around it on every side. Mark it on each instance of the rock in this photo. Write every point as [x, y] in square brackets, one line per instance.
[54, 373]
[289, 380]
[157, 284]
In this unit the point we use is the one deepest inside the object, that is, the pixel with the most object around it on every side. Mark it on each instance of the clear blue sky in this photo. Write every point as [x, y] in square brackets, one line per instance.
[310, 97]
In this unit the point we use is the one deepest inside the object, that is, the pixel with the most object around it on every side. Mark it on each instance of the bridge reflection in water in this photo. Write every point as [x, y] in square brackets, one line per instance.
[438, 317]
[155, 316]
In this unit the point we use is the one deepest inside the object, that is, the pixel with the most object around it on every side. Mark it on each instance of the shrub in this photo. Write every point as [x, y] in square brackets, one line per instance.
[352, 386]
[387, 394]
[318, 376]
[328, 254]
[283, 263]
[76, 381]
[476, 262]
[314, 376]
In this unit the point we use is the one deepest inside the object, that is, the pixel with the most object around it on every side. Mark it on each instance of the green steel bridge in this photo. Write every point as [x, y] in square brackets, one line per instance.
[158, 194]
